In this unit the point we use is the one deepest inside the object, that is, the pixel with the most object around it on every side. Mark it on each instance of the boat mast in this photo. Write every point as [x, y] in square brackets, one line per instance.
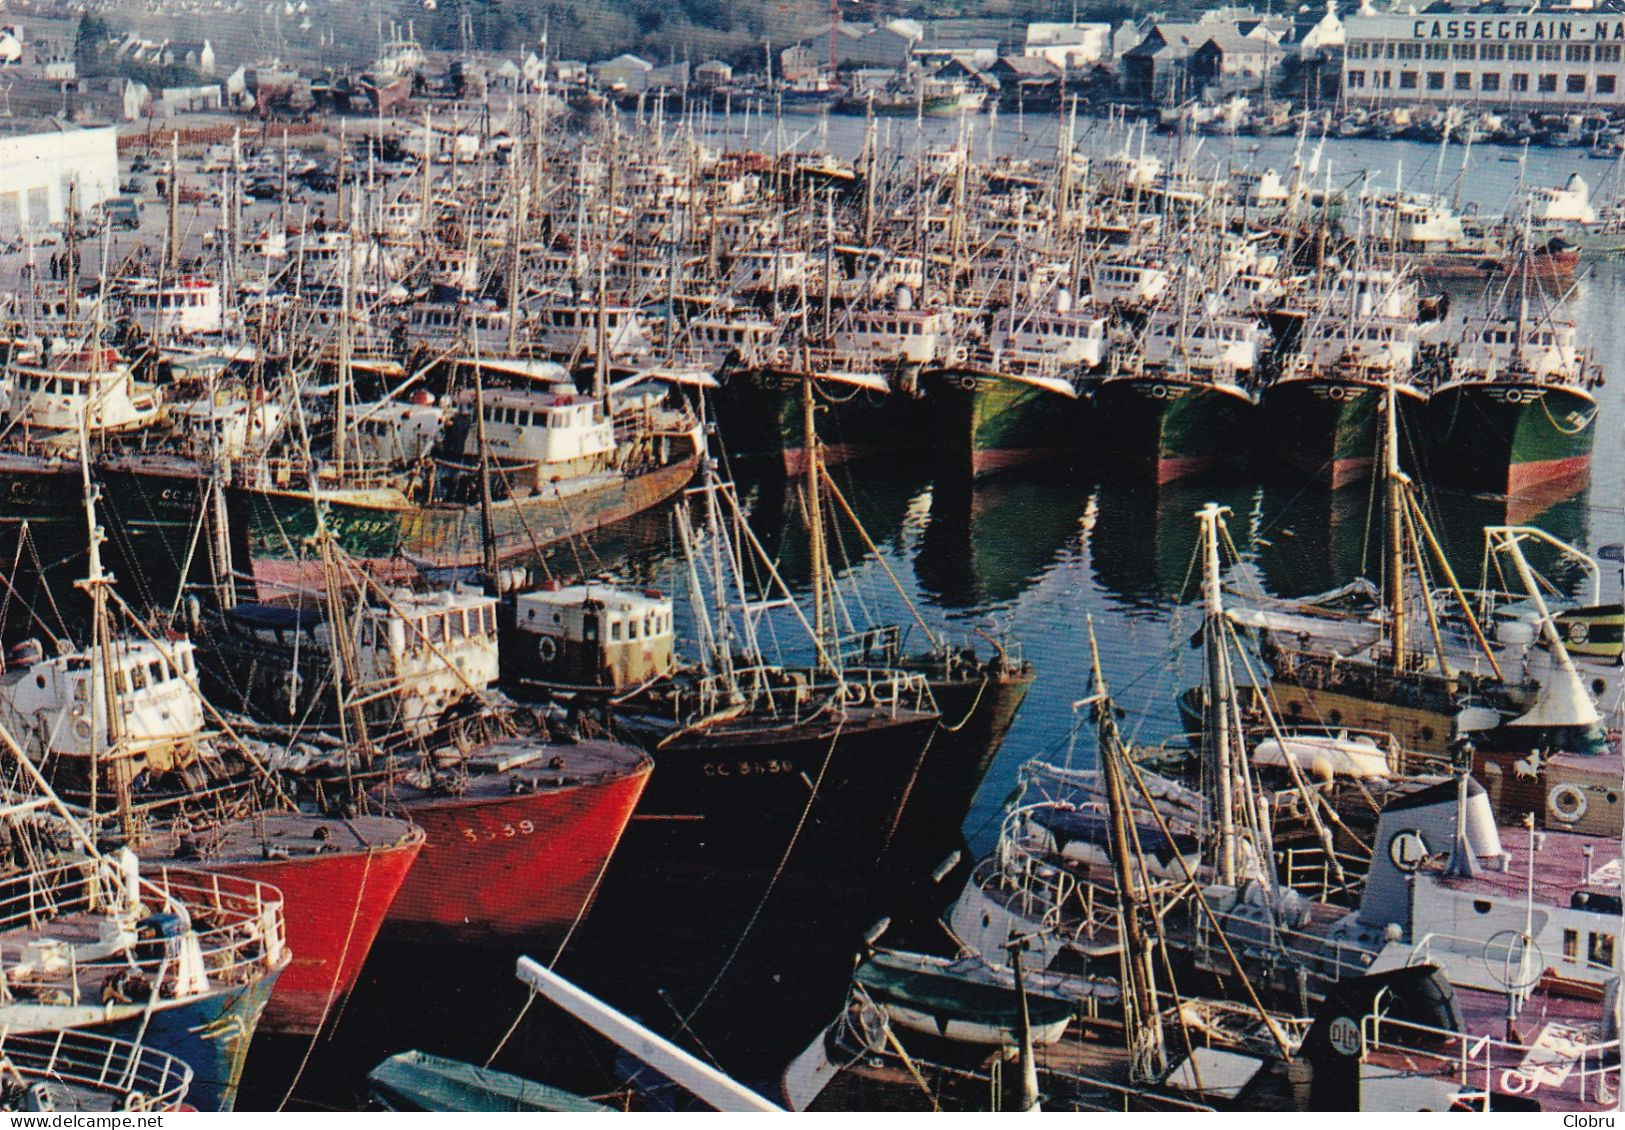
[1219, 684]
[1142, 1021]
[1394, 480]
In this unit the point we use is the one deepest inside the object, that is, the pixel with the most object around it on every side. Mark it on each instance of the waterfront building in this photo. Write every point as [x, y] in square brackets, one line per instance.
[1497, 55]
[36, 170]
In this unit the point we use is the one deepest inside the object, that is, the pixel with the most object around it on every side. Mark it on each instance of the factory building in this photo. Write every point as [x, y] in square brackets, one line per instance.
[1494, 55]
[36, 170]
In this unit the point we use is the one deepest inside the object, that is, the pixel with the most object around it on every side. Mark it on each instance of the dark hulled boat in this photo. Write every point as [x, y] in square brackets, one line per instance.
[1325, 426]
[1517, 413]
[1171, 425]
[992, 417]
[1518, 435]
[759, 414]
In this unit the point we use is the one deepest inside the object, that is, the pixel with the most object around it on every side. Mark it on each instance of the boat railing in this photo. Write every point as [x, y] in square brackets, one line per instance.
[1483, 1065]
[145, 1078]
[1255, 936]
[1336, 877]
[238, 922]
[792, 696]
[281, 473]
[1026, 880]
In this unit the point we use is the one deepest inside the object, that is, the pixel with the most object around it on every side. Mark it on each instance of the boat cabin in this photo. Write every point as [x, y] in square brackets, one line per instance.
[911, 336]
[58, 705]
[1129, 284]
[186, 306]
[592, 636]
[553, 428]
[396, 434]
[90, 385]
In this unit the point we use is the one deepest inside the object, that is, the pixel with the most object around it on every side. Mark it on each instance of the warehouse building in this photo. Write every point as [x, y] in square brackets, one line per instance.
[1503, 57]
[36, 170]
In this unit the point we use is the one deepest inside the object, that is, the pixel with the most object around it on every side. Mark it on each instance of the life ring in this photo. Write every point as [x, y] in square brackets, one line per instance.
[1579, 631]
[547, 649]
[1514, 1082]
[967, 384]
[960, 353]
[1159, 392]
[1337, 392]
[82, 729]
[855, 693]
[781, 356]
[1567, 802]
[1513, 396]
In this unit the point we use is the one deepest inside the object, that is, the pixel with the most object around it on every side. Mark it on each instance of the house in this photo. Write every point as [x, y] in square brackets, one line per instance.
[11, 44]
[1026, 73]
[195, 54]
[799, 64]
[134, 99]
[1125, 39]
[1231, 60]
[1323, 36]
[673, 76]
[624, 72]
[1155, 67]
[570, 72]
[1068, 45]
[712, 74]
[189, 99]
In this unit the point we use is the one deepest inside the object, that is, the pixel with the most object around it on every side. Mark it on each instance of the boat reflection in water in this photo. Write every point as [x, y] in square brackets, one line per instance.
[986, 544]
[1144, 541]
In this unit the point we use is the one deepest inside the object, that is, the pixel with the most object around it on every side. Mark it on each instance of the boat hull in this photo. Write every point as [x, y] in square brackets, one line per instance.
[738, 800]
[335, 905]
[1165, 429]
[390, 536]
[1329, 429]
[1513, 437]
[982, 424]
[760, 416]
[512, 868]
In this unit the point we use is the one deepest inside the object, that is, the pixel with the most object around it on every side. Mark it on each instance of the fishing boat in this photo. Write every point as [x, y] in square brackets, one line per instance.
[120, 729]
[560, 465]
[181, 960]
[1517, 414]
[1016, 401]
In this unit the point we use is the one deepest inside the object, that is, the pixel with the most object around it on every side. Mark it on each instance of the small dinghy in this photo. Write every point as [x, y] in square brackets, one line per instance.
[417, 1081]
[956, 1000]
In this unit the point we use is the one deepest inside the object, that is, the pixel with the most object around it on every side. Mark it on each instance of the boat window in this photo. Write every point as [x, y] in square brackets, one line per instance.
[368, 633]
[615, 630]
[589, 628]
[156, 670]
[118, 682]
[1601, 950]
[1571, 945]
[138, 679]
[631, 629]
[437, 629]
[458, 624]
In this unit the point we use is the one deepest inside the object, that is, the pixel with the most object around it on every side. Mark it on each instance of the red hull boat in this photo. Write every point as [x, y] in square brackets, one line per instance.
[517, 848]
[338, 879]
